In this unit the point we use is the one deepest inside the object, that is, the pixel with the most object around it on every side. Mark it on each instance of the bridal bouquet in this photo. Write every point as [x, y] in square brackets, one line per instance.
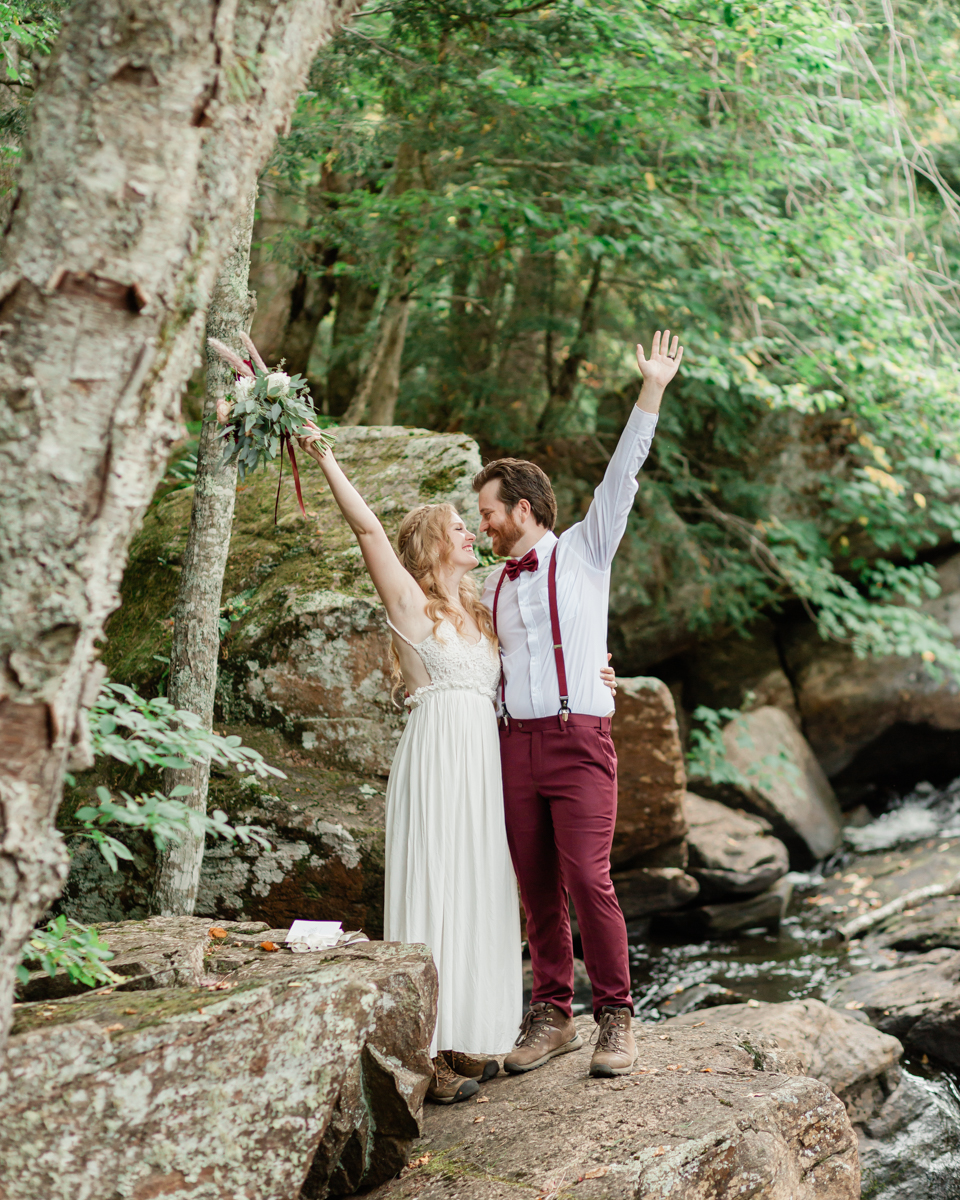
[262, 413]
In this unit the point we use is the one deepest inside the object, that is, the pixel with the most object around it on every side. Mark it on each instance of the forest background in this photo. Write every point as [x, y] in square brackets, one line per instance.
[481, 207]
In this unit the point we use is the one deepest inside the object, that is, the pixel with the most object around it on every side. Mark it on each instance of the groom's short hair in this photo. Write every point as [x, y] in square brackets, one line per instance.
[521, 480]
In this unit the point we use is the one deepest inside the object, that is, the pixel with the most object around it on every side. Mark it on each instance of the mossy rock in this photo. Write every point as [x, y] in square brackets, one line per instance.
[307, 651]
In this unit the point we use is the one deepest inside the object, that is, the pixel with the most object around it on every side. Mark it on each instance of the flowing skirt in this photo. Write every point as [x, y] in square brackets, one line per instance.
[449, 880]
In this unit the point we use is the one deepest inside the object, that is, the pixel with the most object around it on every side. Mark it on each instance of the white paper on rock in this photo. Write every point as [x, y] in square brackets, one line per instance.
[313, 935]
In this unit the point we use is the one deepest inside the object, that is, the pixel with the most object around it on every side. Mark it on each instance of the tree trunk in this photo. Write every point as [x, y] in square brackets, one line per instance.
[376, 397]
[562, 388]
[311, 299]
[146, 139]
[356, 302]
[196, 618]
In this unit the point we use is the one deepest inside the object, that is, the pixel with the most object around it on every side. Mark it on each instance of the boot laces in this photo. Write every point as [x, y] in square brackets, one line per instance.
[609, 1031]
[443, 1073]
[535, 1023]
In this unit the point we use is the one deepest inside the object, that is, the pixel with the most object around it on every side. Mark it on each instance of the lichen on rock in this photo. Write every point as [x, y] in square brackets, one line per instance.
[226, 1083]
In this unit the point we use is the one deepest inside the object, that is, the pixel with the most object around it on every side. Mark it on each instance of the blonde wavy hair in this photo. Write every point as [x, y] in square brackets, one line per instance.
[425, 548]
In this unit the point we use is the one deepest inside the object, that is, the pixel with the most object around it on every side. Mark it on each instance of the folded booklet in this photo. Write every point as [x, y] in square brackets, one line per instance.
[320, 935]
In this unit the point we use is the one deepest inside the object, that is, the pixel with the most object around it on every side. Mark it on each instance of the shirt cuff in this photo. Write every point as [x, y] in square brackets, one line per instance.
[642, 421]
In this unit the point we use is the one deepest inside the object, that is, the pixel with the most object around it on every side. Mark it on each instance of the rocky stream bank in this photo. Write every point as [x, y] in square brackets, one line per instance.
[779, 1058]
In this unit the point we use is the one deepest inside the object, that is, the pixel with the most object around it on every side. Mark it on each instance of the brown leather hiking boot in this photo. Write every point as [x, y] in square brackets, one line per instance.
[544, 1033]
[471, 1067]
[616, 1050]
[446, 1087]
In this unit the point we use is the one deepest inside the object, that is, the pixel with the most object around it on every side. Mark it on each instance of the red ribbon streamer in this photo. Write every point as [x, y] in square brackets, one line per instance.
[285, 441]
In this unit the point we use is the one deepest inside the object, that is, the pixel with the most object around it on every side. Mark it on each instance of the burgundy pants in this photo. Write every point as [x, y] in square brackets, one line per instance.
[560, 800]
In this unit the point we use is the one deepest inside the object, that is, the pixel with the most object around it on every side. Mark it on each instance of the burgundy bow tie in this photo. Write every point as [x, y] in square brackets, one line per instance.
[514, 566]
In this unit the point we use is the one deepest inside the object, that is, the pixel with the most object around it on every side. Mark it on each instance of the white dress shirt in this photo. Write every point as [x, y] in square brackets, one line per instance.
[584, 557]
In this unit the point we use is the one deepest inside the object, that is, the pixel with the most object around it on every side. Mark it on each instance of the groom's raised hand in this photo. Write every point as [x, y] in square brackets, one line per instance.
[658, 369]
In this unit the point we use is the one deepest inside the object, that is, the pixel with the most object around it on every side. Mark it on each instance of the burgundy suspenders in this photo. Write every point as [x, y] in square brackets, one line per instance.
[564, 712]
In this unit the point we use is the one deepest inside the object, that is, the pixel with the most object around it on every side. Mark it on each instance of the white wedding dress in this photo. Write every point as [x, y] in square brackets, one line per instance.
[449, 879]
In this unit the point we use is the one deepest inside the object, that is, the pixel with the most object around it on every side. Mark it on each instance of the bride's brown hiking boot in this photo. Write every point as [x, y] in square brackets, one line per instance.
[544, 1033]
[446, 1087]
[470, 1066]
[616, 1050]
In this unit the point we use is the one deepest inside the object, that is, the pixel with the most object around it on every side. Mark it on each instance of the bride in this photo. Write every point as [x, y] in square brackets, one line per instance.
[449, 879]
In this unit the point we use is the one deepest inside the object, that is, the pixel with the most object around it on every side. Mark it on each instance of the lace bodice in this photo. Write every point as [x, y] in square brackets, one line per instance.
[453, 661]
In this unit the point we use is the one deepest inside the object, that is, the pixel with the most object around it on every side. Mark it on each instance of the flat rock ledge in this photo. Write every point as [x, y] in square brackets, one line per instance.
[261, 1075]
[708, 1113]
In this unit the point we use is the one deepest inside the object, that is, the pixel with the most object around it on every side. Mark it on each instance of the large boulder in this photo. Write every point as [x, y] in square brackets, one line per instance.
[650, 771]
[918, 1003]
[707, 1113]
[738, 671]
[764, 910]
[306, 651]
[911, 1148]
[782, 781]
[272, 1076]
[858, 1064]
[731, 853]
[870, 881]
[646, 890]
[848, 704]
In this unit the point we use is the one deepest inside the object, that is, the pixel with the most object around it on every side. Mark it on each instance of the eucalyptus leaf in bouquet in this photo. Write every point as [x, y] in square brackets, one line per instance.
[262, 413]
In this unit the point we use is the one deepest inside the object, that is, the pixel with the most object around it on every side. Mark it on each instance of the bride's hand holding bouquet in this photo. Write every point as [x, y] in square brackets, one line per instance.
[263, 412]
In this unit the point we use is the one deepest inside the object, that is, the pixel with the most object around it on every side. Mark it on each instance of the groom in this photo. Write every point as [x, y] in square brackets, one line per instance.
[549, 604]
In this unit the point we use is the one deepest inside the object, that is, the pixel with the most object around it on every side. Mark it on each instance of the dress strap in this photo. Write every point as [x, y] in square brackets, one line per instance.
[412, 645]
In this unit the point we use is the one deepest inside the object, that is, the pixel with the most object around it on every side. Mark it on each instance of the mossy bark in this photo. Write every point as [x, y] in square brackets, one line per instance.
[196, 622]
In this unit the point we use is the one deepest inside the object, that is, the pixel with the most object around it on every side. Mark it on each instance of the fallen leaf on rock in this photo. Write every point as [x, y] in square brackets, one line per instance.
[223, 986]
[660, 1150]
[294, 983]
[483, 1099]
[217, 932]
[596, 1173]
[698, 1024]
[422, 1160]
[706, 1070]
[112, 1028]
[664, 1037]
[271, 946]
[477, 1120]
[130, 1012]
[854, 1004]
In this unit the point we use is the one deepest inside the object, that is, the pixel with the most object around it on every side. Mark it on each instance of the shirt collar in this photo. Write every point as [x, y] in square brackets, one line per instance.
[544, 549]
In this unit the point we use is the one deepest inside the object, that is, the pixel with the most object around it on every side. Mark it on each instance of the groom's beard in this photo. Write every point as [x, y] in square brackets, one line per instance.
[506, 537]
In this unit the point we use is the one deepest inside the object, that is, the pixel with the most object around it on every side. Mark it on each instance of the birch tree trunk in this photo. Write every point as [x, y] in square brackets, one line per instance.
[196, 617]
[146, 140]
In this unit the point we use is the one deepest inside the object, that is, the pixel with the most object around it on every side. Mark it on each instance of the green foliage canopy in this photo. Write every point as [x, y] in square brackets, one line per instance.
[772, 179]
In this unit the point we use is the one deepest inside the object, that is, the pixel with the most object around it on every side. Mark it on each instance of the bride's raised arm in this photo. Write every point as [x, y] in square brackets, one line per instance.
[398, 590]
